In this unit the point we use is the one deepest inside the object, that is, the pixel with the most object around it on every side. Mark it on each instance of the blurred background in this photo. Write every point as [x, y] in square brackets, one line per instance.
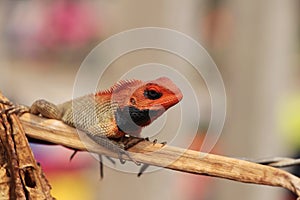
[255, 45]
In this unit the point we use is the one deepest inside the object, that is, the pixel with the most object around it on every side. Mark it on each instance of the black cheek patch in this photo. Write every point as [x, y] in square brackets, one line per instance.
[130, 119]
[139, 117]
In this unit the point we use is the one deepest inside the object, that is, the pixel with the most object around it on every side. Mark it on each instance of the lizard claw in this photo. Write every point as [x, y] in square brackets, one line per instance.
[163, 143]
[155, 142]
[142, 170]
[101, 166]
[73, 154]
[122, 161]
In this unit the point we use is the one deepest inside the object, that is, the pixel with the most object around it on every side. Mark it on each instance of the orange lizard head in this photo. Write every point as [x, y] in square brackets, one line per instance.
[158, 94]
[139, 103]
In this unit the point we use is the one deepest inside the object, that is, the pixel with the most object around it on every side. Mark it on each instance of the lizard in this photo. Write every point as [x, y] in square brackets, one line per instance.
[108, 115]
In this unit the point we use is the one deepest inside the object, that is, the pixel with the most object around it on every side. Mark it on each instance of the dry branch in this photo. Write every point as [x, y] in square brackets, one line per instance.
[56, 132]
[169, 157]
[279, 162]
[21, 176]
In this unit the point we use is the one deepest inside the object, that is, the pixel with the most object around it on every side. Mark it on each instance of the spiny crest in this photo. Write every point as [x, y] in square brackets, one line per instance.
[125, 84]
[122, 84]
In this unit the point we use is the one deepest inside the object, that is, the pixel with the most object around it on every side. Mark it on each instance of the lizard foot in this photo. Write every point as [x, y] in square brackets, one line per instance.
[15, 109]
[126, 153]
[131, 141]
[116, 146]
[125, 143]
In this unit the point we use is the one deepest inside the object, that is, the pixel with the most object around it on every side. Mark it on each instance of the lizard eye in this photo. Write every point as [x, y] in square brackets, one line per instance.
[152, 94]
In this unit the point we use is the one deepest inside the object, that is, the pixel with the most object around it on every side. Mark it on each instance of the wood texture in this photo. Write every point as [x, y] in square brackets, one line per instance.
[56, 132]
[20, 175]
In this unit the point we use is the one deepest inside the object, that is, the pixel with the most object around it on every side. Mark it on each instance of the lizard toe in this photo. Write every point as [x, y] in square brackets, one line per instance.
[8, 103]
[111, 160]
[15, 109]
[124, 152]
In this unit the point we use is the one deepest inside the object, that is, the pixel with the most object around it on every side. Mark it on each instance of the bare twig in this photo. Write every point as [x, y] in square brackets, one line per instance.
[169, 157]
[279, 162]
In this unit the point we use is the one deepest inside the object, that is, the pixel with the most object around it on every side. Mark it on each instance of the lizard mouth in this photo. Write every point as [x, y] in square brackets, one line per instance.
[168, 103]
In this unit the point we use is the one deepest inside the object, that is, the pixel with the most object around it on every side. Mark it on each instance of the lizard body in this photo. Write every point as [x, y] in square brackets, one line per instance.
[124, 109]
